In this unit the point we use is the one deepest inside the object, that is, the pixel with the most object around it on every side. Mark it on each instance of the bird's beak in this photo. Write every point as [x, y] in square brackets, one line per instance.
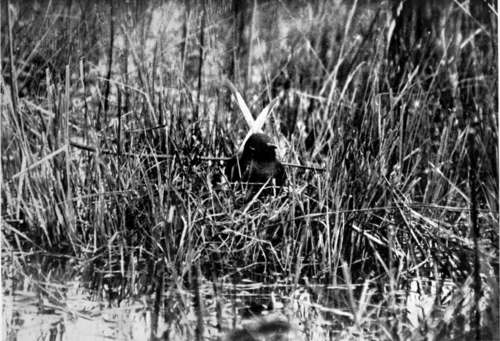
[272, 145]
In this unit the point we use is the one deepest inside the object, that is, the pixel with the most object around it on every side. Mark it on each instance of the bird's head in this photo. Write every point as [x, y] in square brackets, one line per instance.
[260, 147]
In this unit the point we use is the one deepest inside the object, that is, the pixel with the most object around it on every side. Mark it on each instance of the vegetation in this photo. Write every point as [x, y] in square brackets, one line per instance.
[115, 125]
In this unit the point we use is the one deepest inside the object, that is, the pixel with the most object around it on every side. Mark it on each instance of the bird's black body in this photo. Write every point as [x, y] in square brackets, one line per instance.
[257, 163]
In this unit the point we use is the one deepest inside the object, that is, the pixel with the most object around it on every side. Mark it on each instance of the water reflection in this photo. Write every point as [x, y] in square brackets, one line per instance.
[246, 311]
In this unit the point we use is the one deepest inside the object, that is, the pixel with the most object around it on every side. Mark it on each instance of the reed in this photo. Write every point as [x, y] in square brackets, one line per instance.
[117, 171]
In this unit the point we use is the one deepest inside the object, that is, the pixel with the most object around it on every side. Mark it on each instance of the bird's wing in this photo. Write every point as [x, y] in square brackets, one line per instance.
[259, 122]
[261, 119]
[241, 103]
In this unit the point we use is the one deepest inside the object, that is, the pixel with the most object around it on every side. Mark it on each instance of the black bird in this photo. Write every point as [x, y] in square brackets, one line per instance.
[257, 163]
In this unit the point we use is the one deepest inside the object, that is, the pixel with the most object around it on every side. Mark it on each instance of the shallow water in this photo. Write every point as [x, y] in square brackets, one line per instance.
[241, 309]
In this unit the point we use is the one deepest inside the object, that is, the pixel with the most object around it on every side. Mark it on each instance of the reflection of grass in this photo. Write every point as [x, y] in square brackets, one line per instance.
[384, 229]
[73, 317]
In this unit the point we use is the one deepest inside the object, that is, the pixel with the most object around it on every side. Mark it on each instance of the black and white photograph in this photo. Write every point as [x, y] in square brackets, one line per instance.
[249, 170]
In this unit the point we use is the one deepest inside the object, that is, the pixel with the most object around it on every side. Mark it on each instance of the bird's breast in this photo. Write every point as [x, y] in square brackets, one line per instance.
[261, 171]
[254, 170]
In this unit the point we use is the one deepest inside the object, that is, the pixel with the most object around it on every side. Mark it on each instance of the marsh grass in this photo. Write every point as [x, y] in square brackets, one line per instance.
[111, 177]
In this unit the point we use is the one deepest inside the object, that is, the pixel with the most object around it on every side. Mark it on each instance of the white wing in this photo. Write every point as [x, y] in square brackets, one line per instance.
[262, 118]
[241, 102]
[259, 122]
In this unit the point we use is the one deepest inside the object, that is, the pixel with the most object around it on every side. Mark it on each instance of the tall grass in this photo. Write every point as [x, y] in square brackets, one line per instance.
[114, 169]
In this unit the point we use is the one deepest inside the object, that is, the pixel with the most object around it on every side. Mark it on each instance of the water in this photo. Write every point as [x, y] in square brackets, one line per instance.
[72, 312]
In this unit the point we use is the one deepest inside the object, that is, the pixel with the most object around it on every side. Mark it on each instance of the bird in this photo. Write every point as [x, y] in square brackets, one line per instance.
[257, 163]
